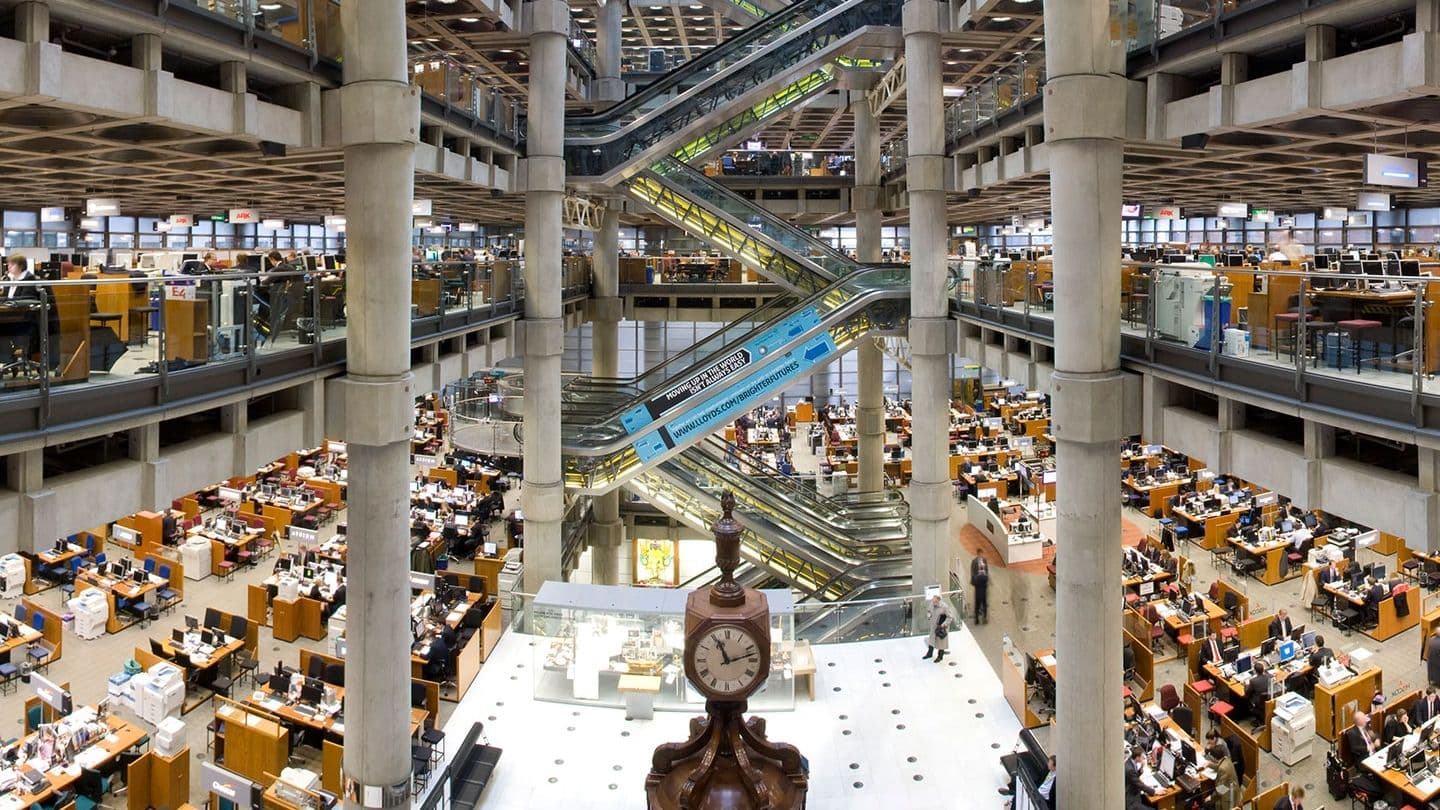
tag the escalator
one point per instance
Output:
(652, 432)
(609, 434)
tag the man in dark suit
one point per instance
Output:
(1293, 800)
(1427, 707)
(1280, 625)
(1360, 741)
(1135, 789)
(980, 582)
(1212, 651)
(1374, 595)
(1257, 692)
(1330, 573)
(1432, 659)
(1321, 655)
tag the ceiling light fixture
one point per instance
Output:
(269, 6)
(1001, 19)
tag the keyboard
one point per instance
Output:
(306, 710)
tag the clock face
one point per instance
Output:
(727, 660)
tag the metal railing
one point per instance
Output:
(1152, 21)
(460, 88)
(1003, 91)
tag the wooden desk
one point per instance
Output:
(157, 781)
(1208, 532)
(286, 713)
(1273, 554)
(250, 742)
(1159, 493)
(125, 736)
(298, 617)
(1334, 705)
(116, 590)
(1391, 623)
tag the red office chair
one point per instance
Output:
(1169, 699)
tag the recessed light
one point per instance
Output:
(966, 50)
(1001, 19)
(469, 19)
(269, 6)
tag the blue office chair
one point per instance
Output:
(34, 716)
(100, 559)
(167, 595)
(150, 565)
(22, 615)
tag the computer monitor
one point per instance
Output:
(279, 682)
(178, 636)
(1287, 525)
(1267, 646)
(1234, 260)
(1244, 663)
(1234, 498)
(1288, 650)
(1409, 267)
(1308, 640)
(1167, 763)
(1378, 572)
(139, 576)
(1298, 633)
(1146, 588)
(1372, 267)
(191, 622)
(1187, 751)
(312, 692)
(1322, 261)
(1351, 267)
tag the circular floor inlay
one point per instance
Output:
(845, 732)
(854, 766)
(900, 726)
(614, 786)
(918, 778)
(837, 689)
(979, 714)
(559, 762)
(553, 780)
(887, 683)
(859, 785)
(624, 734)
(618, 767)
(842, 717)
(894, 711)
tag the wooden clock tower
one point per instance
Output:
(727, 764)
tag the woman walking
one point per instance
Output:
(938, 619)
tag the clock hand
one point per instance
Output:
(721, 646)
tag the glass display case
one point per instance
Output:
(590, 636)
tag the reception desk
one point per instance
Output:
(1012, 547)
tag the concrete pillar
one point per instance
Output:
(543, 497)
(380, 123)
(1429, 469)
(32, 22)
(145, 52)
(39, 508)
(1034, 136)
(865, 199)
(1085, 115)
(930, 325)
(1319, 440)
(1427, 16)
(144, 447)
(1155, 396)
(608, 84)
(235, 420)
(310, 401)
(1319, 43)
(1231, 415)
(1234, 68)
(607, 532)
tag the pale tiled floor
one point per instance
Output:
(886, 726)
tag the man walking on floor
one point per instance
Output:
(980, 582)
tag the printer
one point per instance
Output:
(12, 576)
(195, 557)
(162, 693)
(287, 588)
(1292, 727)
(170, 737)
(91, 609)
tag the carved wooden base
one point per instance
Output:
(727, 764)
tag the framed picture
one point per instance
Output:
(657, 563)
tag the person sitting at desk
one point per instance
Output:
(1322, 654)
(169, 529)
(437, 656)
(1360, 741)
(327, 609)
(1397, 724)
(1375, 593)
(1292, 800)
(1227, 783)
(1212, 651)
(22, 336)
(1257, 692)
(1135, 788)
(1280, 626)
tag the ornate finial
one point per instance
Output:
(727, 554)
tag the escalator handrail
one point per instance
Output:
(703, 63)
(669, 166)
(857, 296)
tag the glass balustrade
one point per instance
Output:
(1369, 326)
(104, 328)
